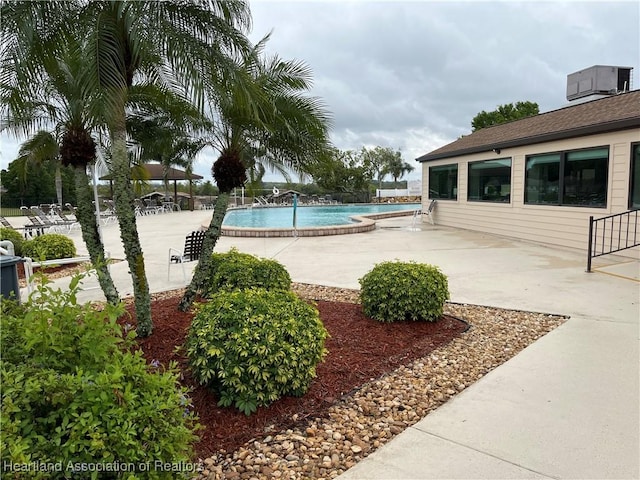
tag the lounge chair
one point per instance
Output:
(54, 225)
(37, 226)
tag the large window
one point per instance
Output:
(490, 181)
(634, 196)
(577, 178)
(443, 182)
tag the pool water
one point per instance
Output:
(307, 216)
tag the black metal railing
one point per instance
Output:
(612, 234)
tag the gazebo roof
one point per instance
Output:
(154, 172)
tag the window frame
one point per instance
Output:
(563, 159)
(635, 146)
(469, 178)
(457, 184)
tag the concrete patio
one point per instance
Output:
(565, 407)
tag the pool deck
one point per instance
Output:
(565, 407)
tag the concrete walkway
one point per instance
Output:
(565, 407)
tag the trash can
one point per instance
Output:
(9, 286)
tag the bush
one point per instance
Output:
(239, 271)
(254, 346)
(14, 237)
(74, 390)
(394, 291)
(49, 246)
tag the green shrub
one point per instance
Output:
(49, 246)
(239, 271)
(394, 291)
(74, 390)
(14, 237)
(254, 346)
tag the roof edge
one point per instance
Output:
(623, 124)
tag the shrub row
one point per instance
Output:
(73, 390)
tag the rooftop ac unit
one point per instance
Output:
(598, 80)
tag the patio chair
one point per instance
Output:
(71, 222)
(53, 225)
(429, 211)
(37, 226)
(108, 213)
(192, 250)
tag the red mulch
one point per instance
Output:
(360, 349)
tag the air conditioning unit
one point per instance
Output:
(598, 80)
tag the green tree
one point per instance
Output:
(341, 171)
(377, 161)
(60, 98)
(175, 43)
(397, 167)
(183, 42)
(503, 114)
(265, 107)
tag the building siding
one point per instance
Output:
(557, 225)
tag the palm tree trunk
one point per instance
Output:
(203, 268)
(123, 197)
(86, 216)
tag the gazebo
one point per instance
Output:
(155, 171)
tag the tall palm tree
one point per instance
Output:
(61, 100)
(265, 110)
(396, 167)
(175, 42)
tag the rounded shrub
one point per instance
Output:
(239, 271)
(395, 291)
(49, 246)
(75, 392)
(14, 237)
(254, 346)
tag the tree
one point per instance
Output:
(265, 109)
(397, 167)
(41, 147)
(340, 171)
(174, 43)
(377, 161)
(60, 98)
(503, 114)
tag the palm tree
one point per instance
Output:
(397, 167)
(60, 99)
(175, 42)
(265, 110)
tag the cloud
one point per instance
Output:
(412, 74)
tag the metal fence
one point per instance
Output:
(612, 233)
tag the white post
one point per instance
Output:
(96, 199)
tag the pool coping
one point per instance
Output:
(364, 223)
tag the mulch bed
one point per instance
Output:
(360, 350)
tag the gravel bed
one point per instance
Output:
(323, 448)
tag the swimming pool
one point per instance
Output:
(307, 216)
(313, 220)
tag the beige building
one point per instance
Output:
(541, 178)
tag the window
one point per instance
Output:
(443, 182)
(634, 197)
(577, 178)
(490, 181)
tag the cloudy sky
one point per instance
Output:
(411, 75)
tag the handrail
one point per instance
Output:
(625, 228)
